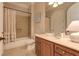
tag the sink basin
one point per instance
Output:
(74, 37)
(49, 34)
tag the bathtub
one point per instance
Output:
(19, 42)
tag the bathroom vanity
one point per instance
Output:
(47, 45)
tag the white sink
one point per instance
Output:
(49, 34)
(75, 37)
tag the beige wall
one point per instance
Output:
(39, 27)
(47, 25)
(21, 26)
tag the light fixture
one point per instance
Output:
(55, 4)
(60, 3)
(50, 3)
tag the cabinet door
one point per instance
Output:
(47, 48)
(37, 46)
(43, 47)
(52, 49)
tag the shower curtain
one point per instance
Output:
(9, 25)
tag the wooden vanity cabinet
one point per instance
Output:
(38, 46)
(43, 47)
(64, 51)
(47, 48)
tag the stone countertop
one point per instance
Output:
(62, 41)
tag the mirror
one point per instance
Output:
(73, 13)
(58, 17)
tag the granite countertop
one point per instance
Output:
(62, 41)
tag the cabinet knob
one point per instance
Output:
(63, 51)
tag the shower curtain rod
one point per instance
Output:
(18, 10)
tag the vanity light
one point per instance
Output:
(55, 4)
(60, 3)
(50, 3)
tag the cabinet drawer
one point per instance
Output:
(57, 54)
(65, 51)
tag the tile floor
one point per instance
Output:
(20, 51)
